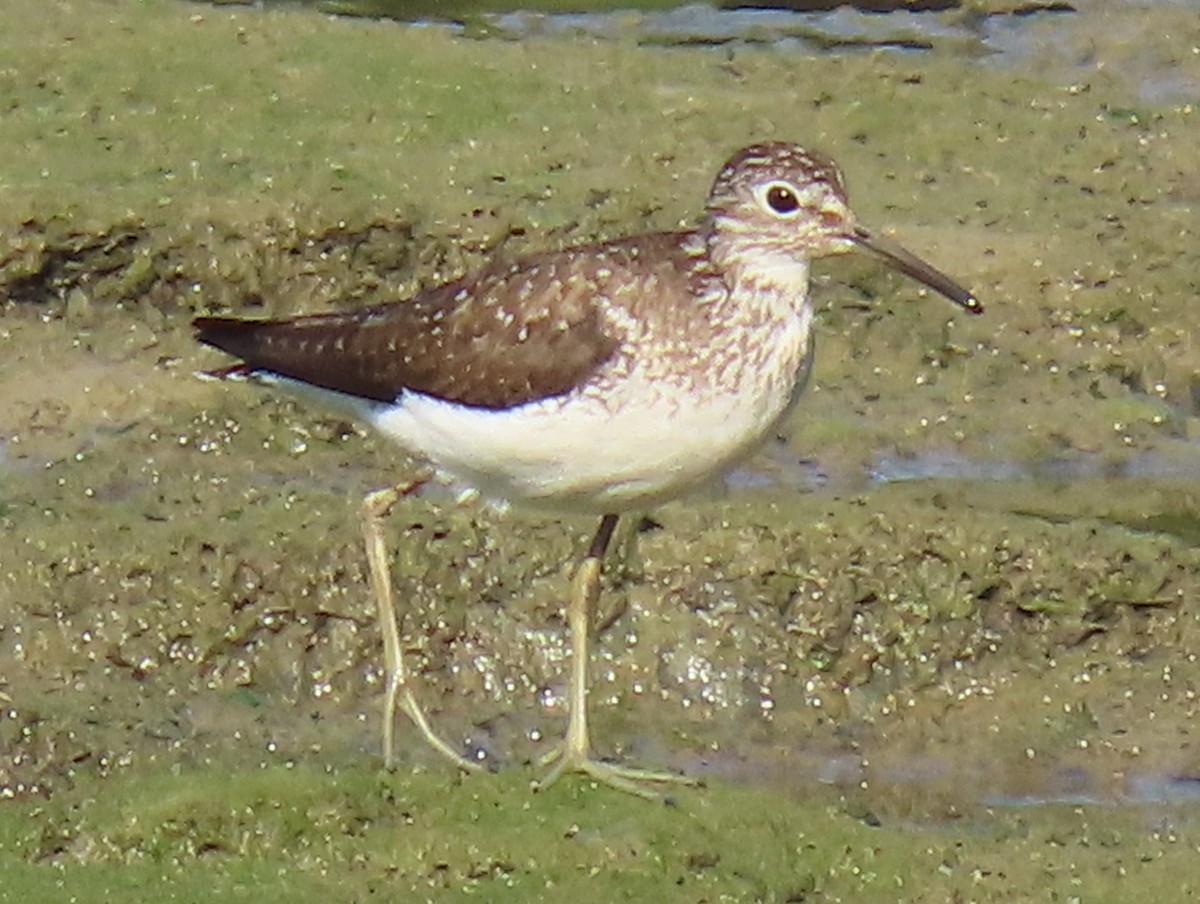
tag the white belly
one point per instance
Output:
(580, 453)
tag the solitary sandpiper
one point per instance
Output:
(605, 378)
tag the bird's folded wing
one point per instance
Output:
(496, 339)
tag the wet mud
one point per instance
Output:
(938, 642)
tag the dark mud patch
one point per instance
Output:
(207, 264)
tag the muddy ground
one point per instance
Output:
(977, 682)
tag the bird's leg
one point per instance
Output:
(576, 754)
(376, 506)
(622, 565)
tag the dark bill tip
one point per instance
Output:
(912, 266)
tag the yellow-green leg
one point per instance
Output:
(576, 754)
(376, 506)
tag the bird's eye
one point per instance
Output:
(782, 199)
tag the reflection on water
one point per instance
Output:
(699, 25)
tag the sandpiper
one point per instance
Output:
(605, 378)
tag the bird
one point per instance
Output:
(607, 378)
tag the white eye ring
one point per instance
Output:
(781, 199)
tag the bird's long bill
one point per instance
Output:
(911, 265)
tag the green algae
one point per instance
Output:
(190, 665)
(299, 832)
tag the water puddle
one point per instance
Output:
(778, 467)
(1056, 39)
(941, 465)
(699, 25)
(1077, 787)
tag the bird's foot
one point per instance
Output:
(629, 779)
(412, 709)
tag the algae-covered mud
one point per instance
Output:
(938, 642)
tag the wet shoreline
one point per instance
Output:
(950, 617)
